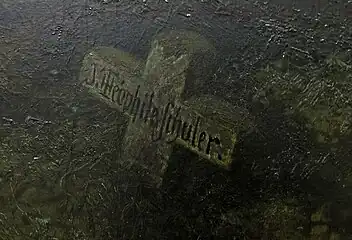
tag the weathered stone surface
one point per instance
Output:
(103, 68)
(179, 58)
(160, 101)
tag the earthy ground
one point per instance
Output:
(59, 174)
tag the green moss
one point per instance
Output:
(320, 95)
(321, 215)
(320, 230)
(279, 219)
(334, 236)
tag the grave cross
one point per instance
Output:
(161, 101)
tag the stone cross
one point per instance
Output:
(160, 97)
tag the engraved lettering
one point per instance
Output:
(202, 137)
(169, 122)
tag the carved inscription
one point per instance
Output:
(170, 122)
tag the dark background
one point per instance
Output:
(66, 171)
